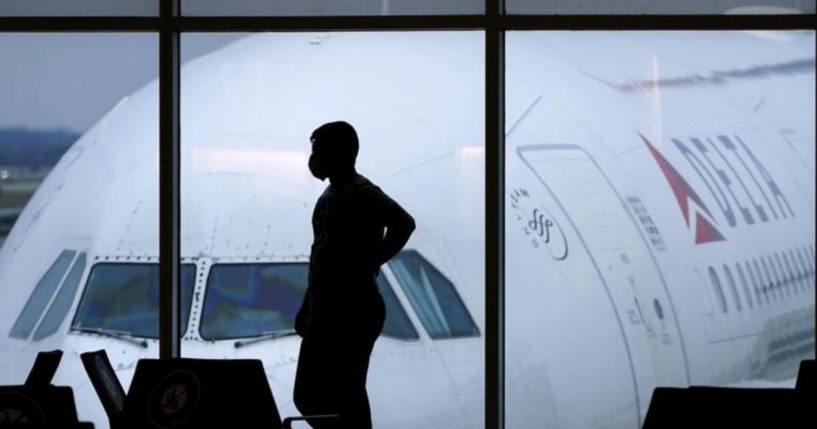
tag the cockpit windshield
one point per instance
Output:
(124, 298)
(254, 300)
(246, 300)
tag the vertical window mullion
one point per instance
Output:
(169, 183)
(494, 216)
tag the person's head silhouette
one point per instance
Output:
(334, 150)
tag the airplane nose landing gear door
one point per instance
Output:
(622, 260)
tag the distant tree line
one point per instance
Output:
(34, 148)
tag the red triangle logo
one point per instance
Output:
(704, 230)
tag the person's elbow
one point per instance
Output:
(403, 229)
(411, 225)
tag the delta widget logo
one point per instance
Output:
(742, 189)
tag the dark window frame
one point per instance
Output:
(494, 23)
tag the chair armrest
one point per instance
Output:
(288, 421)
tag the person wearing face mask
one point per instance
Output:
(357, 228)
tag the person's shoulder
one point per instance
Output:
(366, 188)
(364, 184)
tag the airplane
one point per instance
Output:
(659, 219)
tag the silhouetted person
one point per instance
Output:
(343, 312)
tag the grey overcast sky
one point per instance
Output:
(70, 80)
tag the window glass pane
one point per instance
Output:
(62, 301)
(251, 300)
(416, 100)
(331, 7)
(397, 323)
(642, 174)
(41, 295)
(79, 127)
(124, 298)
(79, 8)
(433, 297)
(651, 7)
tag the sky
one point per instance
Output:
(70, 80)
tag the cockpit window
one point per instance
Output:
(433, 297)
(250, 300)
(397, 323)
(124, 298)
(62, 301)
(41, 295)
(246, 300)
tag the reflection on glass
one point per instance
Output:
(635, 162)
(650, 7)
(124, 298)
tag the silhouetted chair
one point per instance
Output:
(717, 407)
(204, 393)
(106, 384)
(806, 377)
(188, 393)
(44, 368)
(38, 403)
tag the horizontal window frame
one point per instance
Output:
(409, 23)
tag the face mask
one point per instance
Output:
(317, 168)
